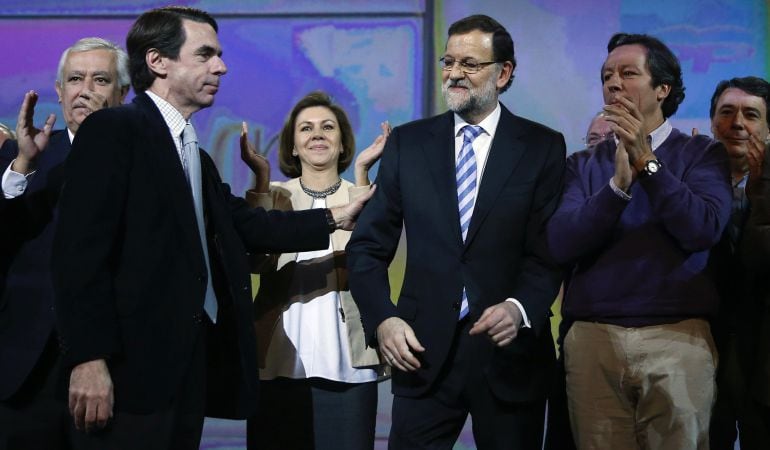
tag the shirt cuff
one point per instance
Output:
(619, 192)
(524, 319)
(14, 183)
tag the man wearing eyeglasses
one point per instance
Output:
(598, 130)
(473, 188)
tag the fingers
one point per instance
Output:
(49, 122)
(397, 341)
(90, 395)
(27, 111)
(93, 100)
(244, 129)
(499, 322)
(694, 131)
(386, 128)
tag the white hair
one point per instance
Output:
(95, 43)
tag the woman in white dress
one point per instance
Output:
(318, 377)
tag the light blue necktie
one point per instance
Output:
(465, 173)
(191, 163)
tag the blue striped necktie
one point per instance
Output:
(191, 163)
(465, 173)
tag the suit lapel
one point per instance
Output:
(162, 151)
(504, 155)
(440, 159)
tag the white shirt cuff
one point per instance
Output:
(619, 192)
(14, 183)
(524, 319)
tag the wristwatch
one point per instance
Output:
(651, 167)
(330, 222)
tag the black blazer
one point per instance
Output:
(26, 237)
(753, 316)
(504, 254)
(129, 270)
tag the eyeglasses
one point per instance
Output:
(594, 138)
(467, 66)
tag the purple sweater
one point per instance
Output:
(642, 262)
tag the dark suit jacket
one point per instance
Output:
(504, 254)
(129, 270)
(754, 324)
(26, 237)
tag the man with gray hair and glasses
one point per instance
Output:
(92, 74)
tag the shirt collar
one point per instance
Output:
(657, 136)
(488, 125)
(71, 135)
(173, 118)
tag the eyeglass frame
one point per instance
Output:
(463, 65)
(602, 138)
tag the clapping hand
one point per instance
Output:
(256, 162)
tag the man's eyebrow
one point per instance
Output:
(208, 50)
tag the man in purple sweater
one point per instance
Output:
(637, 218)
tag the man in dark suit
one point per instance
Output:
(739, 120)
(149, 260)
(473, 188)
(92, 74)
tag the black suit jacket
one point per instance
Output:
(753, 319)
(26, 237)
(129, 270)
(503, 256)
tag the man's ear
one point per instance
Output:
(663, 91)
(505, 74)
(155, 62)
(58, 90)
(123, 93)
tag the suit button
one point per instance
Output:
(200, 279)
(245, 287)
(456, 306)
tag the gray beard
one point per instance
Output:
(475, 103)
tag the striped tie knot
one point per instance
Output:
(471, 132)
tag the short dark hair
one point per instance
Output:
(662, 64)
(751, 85)
(290, 164)
(161, 29)
(502, 44)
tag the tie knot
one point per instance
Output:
(188, 135)
(471, 132)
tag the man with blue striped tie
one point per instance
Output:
(473, 188)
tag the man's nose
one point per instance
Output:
(219, 66)
(613, 83)
(455, 73)
(738, 121)
(88, 85)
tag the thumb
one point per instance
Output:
(412, 340)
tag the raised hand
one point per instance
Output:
(366, 159)
(32, 141)
(624, 171)
(755, 157)
(256, 162)
(627, 123)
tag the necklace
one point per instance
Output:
(321, 194)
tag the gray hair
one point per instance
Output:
(95, 43)
(7, 130)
